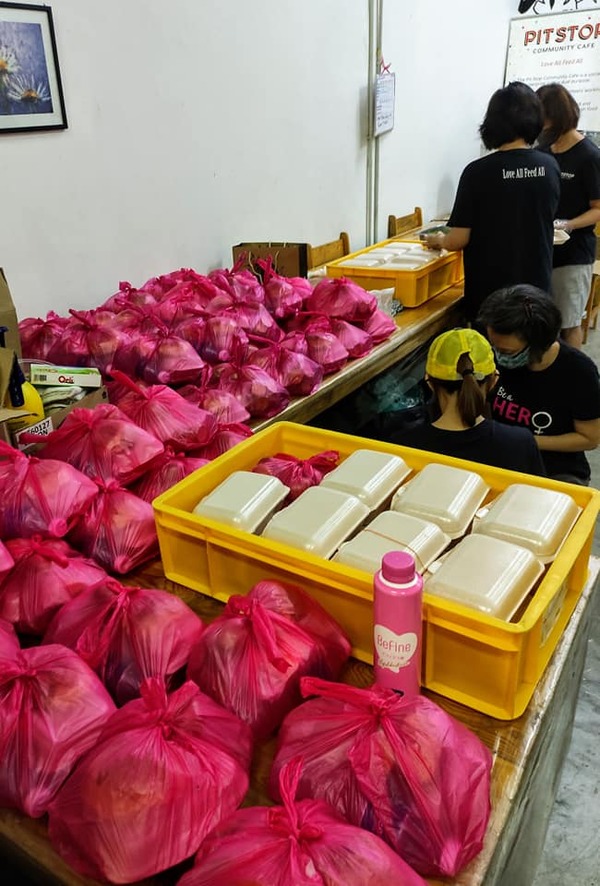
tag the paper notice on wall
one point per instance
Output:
(562, 48)
(385, 99)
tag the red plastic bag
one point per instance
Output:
(223, 405)
(405, 770)
(357, 342)
(167, 470)
(242, 285)
(9, 642)
(298, 473)
(250, 658)
(127, 634)
(38, 336)
(283, 295)
(117, 530)
(167, 359)
(223, 338)
(91, 338)
(101, 442)
(379, 326)
(128, 296)
(255, 389)
(341, 297)
(302, 843)
(52, 710)
(47, 573)
(40, 497)
(166, 415)
(166, 771)
(298, 374)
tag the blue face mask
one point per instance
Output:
(513, 361)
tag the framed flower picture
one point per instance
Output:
(31, 96)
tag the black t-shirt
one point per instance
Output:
(489, 443)
(579, 183)
(508, 199)
(550, 402)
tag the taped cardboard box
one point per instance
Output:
(289, 259)
(8, 317)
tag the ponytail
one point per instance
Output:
(471, 396)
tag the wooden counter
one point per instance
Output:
(415, 327)
(528, 756)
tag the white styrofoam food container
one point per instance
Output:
(319, 520)
(486, 574)
(444, 495)
(244, 500)
(369, 475)
(392, 531)
(535, 518)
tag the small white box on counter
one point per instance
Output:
(45, 374)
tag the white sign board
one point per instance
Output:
(562, 48)
(385, 98)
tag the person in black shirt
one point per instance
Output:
(578, 209)
(505, 203)
(545, 385)
(461, 372)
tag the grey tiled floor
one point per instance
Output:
(571, 854)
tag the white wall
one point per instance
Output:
(196, 124)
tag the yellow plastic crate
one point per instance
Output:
(480, 661)
(412, 287)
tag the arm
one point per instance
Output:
(586, 436)
(456, 238)
(587, 218)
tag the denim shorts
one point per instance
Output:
(570, 291)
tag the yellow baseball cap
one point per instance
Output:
(447, 349)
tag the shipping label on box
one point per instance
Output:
(84, 376)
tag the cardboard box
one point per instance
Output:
(55, 419)
(289, 259)
(8, 316)
(52, 376)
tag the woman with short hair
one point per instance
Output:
(578, 208)
(545, 385)
(461, 372)
(506, 202)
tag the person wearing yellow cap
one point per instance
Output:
(461, 372)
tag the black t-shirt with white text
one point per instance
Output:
(579, 183)
(508, 199)
(549, 402)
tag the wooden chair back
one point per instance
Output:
(320, 255)
(399, 224)
(590, 318)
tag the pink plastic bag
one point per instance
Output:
(357, 342)
(101, 442)
(9, 643)
(405, 770)
(223, 405)
(298, 473)
(169, 360)
(227, 436)
(117, 530)
(166, 771)
(166, 414)
(260, 394)
(126, 634)
(341, 297)
(40, 497)
(283, 295)
(128, 296)
(47, 573)
(298, 374)
(250, 658)
(302, 843)
(223, 338)
(91, 338)
(38, 336)
(53, 708)
(380, 326)
(6, 561)
(167, 470)
(242, 285)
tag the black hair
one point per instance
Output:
(513, 112)
(525, 311)
(472, 394)
(561, 111)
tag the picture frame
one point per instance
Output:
(31, 94)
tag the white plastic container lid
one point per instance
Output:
(319, 520)
(486, 574)
(369, 475)
(443, 494)
(244, 500)
(360, 262)
(538, 519)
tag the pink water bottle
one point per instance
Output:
(398, 602)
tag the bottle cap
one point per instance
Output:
(398, 567)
